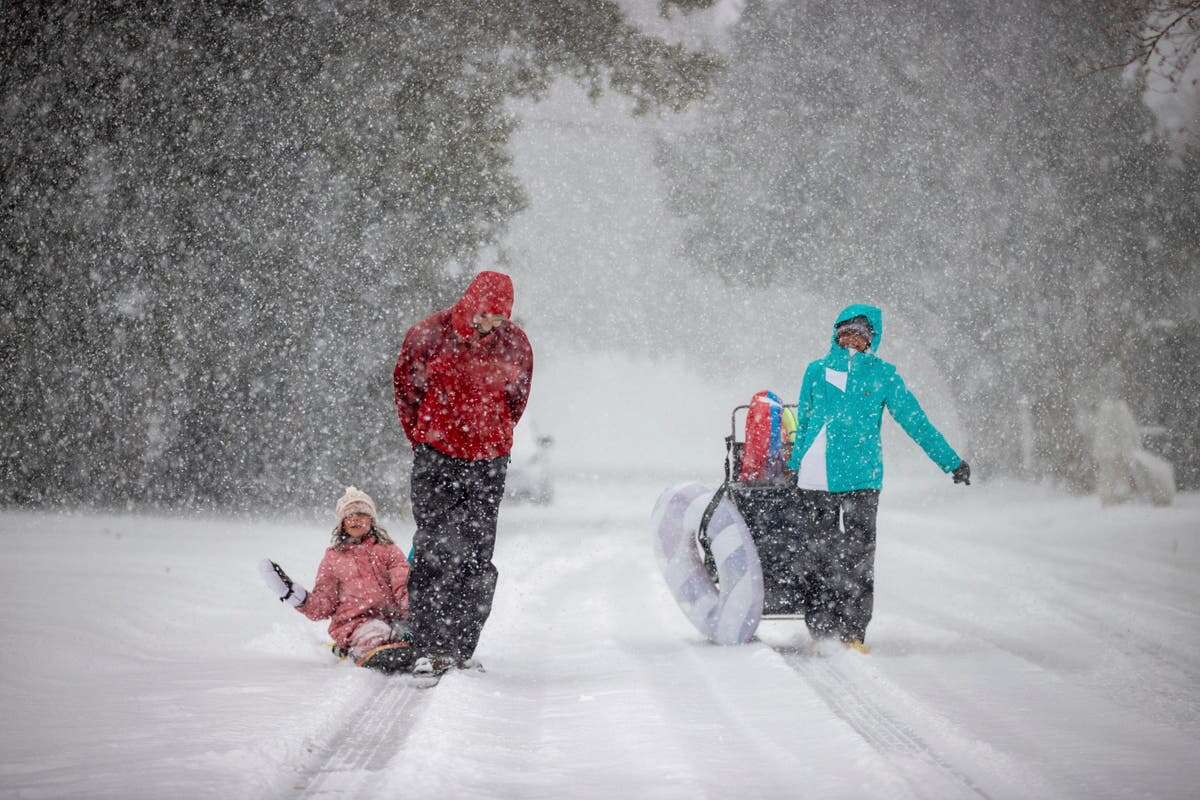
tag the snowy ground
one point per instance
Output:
(1026, 645)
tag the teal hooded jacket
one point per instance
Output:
(840, 411)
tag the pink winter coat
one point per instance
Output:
(358, 581)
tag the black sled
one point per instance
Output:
(768, 506)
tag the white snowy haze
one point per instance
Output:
(218, 220)
(989, 197)
(636, 345)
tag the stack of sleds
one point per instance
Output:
(735, 555)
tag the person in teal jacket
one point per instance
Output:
(838, 460)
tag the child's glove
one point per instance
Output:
(401, 632)
(278, 582)
(962, 473)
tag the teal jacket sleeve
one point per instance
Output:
(804, 413)
(905, 409)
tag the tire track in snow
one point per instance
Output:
(636, 704)
(1180, 709)
(1057, 595)
(1126, 639)
(889, 736)
(371, 735)
(1057, 601)
(681, 734)
(364, 743)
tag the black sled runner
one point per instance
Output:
(398, 659)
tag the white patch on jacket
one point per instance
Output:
(813, 473)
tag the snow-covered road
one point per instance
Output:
(1026, 644)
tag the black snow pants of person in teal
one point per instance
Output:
(836, 560)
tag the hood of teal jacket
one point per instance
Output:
(839, 356)
(873, 314)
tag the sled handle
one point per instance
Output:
(733, 422)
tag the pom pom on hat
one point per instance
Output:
(355, 501)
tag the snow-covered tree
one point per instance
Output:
(218, 219)
(945, 162)
(1159, 41)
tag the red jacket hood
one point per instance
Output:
(489, 293)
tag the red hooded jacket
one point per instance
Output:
(460, 392)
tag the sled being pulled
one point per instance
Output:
(733, 556)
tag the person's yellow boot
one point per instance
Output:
(859, 645)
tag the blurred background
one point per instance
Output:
(220, 218)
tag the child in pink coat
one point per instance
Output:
(362, 583)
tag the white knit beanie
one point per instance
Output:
(355, 501)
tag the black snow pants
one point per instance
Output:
(452, 582)
(837, 561)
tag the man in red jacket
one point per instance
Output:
(461, 382)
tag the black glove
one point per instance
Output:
(962, 473)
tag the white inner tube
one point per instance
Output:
(730, 614)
